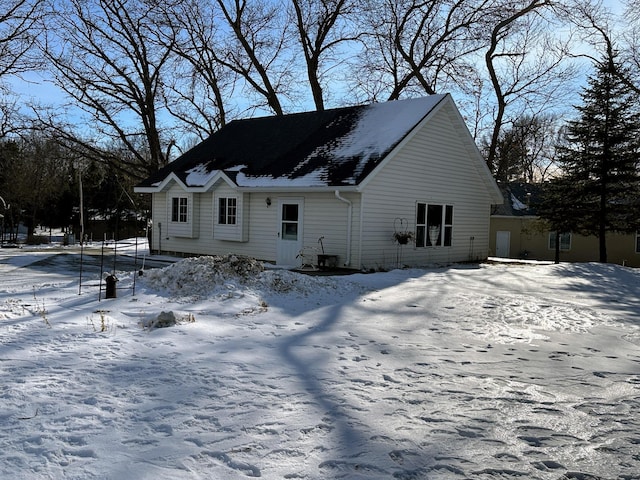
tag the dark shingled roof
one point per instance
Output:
(320, 145)
(520, 199)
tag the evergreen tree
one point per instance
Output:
(557, 196)
(599, 192)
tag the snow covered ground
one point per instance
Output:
(492, 371)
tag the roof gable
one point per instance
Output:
(337, 147)
(520, 199)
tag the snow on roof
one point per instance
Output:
(336, 147)
(517, 204)
(381, 125)
(313, 179)
(199, 176)
(377, 130)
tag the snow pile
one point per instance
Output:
(201, 276)
(167, 319)
(284, 281)
(205, 276)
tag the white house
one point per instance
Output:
(339, 182)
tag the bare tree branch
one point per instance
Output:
(321, 29)
(522, 64)
(18, 32)
(259, 40)
(108, 57)
(425, 44)
(203, 86)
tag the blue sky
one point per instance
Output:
(36, 88)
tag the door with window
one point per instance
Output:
(503, 242)
(289, 231)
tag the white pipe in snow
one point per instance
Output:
(347, 261)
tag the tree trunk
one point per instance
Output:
(602, 242)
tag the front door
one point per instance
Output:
(503, 241)
(289, 231)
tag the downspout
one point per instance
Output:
(347, 261)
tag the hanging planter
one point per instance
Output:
(401, 235)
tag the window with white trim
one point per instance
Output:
(565, 241)
(434, 225)
(179, 209)
(227, 210)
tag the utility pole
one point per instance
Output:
(6, 207)
(81, 207)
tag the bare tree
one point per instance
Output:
(608, 36)
(108, 57)
(10, 121)
(526, 66)
(630, 53)
(423, 45)
(132, 66)
(526, 150)
(201, 93)
(323, 25)
(634, 66)
(18, 31)
(256, 49)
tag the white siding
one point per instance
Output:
(257, 238)
(238, 232)
(433, 167)
(159, 217)
(182, 229)
(324, 216)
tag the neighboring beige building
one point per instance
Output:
(339, 182)
(516, 232)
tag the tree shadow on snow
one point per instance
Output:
(368, 446)
(617, 287)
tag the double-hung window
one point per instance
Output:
(179, 209)
(565, 241)
(434, 225)
(227, 210)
